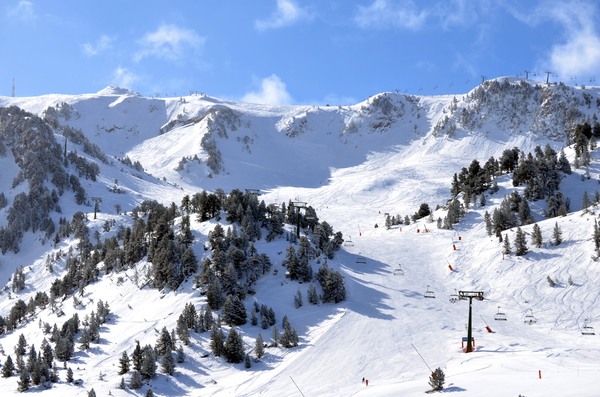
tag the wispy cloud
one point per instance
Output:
(384, 14)
(287, 13)
(169, 42)
(123, 77)
(23, 11)
(102, 44)
(272, 92)
(579, 51)
(411, 15)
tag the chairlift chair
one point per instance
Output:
(500, 316)
(361, 260)
(349, 243)
(529, 319)
(399, 271)
(587, 330)
(454, 297)
(429, 294)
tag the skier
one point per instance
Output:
(367, 382)
(363, 380)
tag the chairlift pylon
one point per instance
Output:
(530, 319)
(500, 316)
(428, 293)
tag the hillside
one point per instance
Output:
(352, 165)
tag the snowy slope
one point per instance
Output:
(352, 164)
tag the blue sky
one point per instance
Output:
(292, 51)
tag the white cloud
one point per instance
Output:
(383, 14)
(169, 42)
(102, 44)
(579, 51)
(124, 78)
(23, 11)
(287, 13)
(273, 92)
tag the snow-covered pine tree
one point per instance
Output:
(123, 364)
(488, 223)
(437, 379)
(217, 340)
(536, 236)
(167, 363)
(259, 346)
(506, 249)
(8, 369)
(520, 243)
(234, 347)
(234, 311)
(298, 299)
(136, 381)
(557, 235)
(313, 295)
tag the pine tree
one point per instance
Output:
(24, 382)
(149, 393)
(520, 243)
(69, 378)
(313, 296)
(137, 357)
(164, 344)
(437, 379)
(253, 317)
(298, 299)
(167, 363)
(585, 202)
(275, 336)
(217, 340)
(234, 311)
(247, 362)
(8, 369)
(506, 248)
(488, 223)
(136, 381)
(148, 369)
(557, 234)
(92, 393)
(21, 346)
(180, 355)
(123, 364)
(122, 384)
(536, 236)
(234, 347)
(259, 346)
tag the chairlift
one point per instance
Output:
(399, 271)
(349, 242)
(361, 260)
(587, 330)
(500, 316)
(454, 297)
(529, 319)
(428, 294)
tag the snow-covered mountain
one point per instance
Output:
(353, 165)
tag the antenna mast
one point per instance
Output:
(13, 87)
